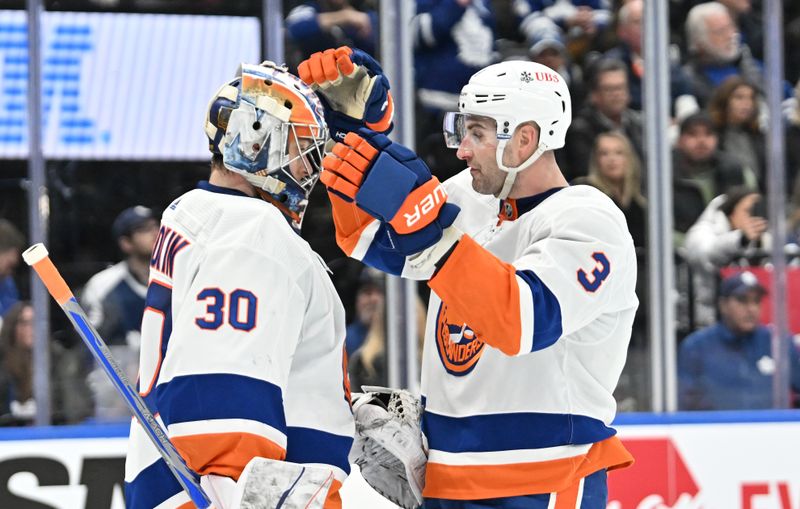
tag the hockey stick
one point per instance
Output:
(37, 257)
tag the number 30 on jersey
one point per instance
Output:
(591, 282)
(237, 308)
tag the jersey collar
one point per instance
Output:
(208, 186)
(512, 208)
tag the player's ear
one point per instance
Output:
(527, 139)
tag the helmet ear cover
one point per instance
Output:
(265, 123)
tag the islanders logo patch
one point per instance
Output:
(458, 346)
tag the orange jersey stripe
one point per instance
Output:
(475, 482)
(225, 453)
(474, 283)
(568, 499)
(187, 505)
(349, 221)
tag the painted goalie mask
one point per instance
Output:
(269, 127)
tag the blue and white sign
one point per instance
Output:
(120, 86)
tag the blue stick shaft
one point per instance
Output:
(37, 257)
(182, 473)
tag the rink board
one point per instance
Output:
(701, 460)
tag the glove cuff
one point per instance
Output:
(426, 259)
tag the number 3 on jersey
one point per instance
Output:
(591, 282)
(238, 308)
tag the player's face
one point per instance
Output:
(478, 148)
(300, 167)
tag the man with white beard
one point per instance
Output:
(716, 51)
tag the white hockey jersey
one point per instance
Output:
(242, 349)
(527, 332)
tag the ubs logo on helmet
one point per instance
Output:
(527, 77)
(458, 346)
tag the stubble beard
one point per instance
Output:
(486, 184)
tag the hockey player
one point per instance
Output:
(533, 295)
(242, 352)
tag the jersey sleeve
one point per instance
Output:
(585, 267)
(225, 365)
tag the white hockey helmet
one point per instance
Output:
(513, 93)
(254, 120)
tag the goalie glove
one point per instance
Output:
(353, 89)
(389, 446)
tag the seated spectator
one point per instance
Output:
(114, 302)
(749, 23)
(369, 304)
(615, 169)
(792, 122)
(367, 364)
(730, 365)
(700, 171)
(11, 245)
(453, 39)
(791, 40)
(715, 52)
(574, 23)
(70, 401)
(552, 54)
(630, 52)
(734, 109)
(732, 225)
(317, 26)
(607, 110)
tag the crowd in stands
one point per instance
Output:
(718, 119)
(717, 108)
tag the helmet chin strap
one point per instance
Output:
(511, 171)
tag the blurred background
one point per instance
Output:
(686, 114)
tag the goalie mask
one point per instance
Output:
(270, 128)
(513, 93)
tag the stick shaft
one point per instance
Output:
(58, 288)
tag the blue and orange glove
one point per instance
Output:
(353, 89)
(393, 185)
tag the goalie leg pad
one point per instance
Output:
(269, 484)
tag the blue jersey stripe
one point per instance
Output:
(152, 486)
(546, 312)
(221, 396)
(307, 445)
(511, 431)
